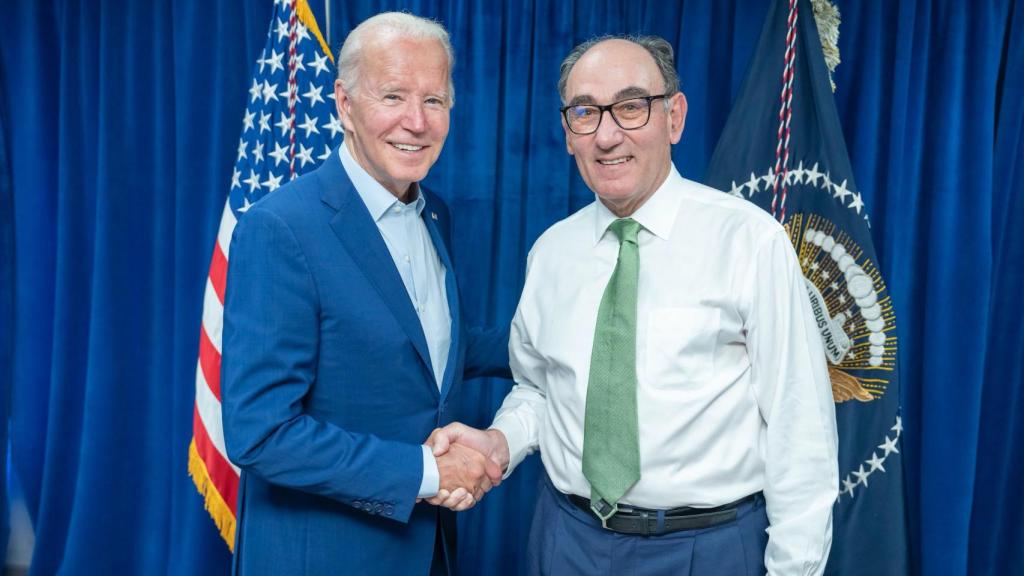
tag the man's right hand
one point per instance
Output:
(465, 476)
(491, 443)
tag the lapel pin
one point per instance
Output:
(433, 215)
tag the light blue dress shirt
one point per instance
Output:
(406, 236)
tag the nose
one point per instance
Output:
(608, 133)
(415, 119)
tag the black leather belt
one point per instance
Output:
(643, 521)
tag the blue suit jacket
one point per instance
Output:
(327, 385)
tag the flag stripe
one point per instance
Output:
(227, 228)
(219, 271)
(209, 364)
(208, 409)
(223, 474)
(213, 316)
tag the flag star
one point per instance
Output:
(264, 122)
(825, 275)
(273, 182)
(857, 202)
(848, 486)
(862, 476)
(241, 148)
(280, 154)
(235, 179)
(313, 95)
(898, 426)
(284, 124)
(815, 266)
(299, 65)
(320, 64)
(769, 179)
(876, 462)
(282, 30)
(791, 178)
(889, 446)
(330, 95)
(275, 61)
(842, 299)
(813, 175)
(245, 205)
(247, 121)
(736, 190)
(800, 172)
(268, 92)
(254, 91)
(326, 154)
(334, 126)
(253, 181)
(833, 286)
(257, 153)
(304, 154)
(840, 192)
(262, 61)
(309, 125)
(754, 184)
(303, 32)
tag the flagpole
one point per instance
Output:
(327, 17)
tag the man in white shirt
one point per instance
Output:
(666, 362)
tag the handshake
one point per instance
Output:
(470, 462)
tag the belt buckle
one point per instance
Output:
(604, 512)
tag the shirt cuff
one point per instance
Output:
(431, 482)
(516, 437)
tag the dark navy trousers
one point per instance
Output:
(565, 541)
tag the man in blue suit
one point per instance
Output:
(343, 341)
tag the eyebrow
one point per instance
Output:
(629, 92)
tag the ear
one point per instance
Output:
(568, 137)
(677, 116)
(343, 104)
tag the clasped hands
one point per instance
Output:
(470, 462)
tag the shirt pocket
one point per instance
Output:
(681, 346)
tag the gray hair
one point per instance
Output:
(387, 26)
(657, 47)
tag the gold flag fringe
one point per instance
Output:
(214, 502)
(827, 19)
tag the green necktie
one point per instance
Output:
(611, 454)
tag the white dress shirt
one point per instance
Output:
(406, 236)
(733, 395)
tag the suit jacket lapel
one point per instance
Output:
(358, 233)
(452, 293)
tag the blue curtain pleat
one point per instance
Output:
(121, 122)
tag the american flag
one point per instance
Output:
(289, 127)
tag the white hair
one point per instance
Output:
(390, 26)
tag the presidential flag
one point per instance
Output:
(783, 149)
(289, 126)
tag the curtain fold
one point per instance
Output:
(121, 122)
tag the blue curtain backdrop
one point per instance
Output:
(121, 121)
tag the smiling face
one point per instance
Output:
(396, 119)
(623, 167)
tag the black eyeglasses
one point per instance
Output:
(629, 114)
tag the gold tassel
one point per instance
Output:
(827, 19)
(307, 18)
(214, 502)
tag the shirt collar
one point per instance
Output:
(657, 215)
(377, 198)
